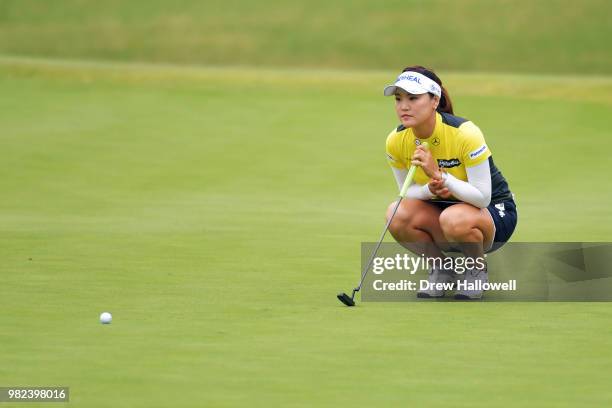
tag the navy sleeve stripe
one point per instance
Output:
(499, 187)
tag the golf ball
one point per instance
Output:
(106, 318)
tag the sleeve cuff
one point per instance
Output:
(426, 192)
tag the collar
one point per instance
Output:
(436, 130)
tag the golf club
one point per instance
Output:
(350, 300)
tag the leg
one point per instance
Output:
(416, 226)
(472, 228)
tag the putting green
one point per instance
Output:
(217, 212)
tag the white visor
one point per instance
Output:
(414, 83)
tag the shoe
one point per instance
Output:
(469, 286)
(438, 276)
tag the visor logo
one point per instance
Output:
(409, 78)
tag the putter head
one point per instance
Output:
(346, 299)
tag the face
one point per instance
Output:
(413, 110)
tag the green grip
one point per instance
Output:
(410, 176)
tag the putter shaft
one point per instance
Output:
(402, 195)
(382, 237)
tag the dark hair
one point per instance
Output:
(445, 104)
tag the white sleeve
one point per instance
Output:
(477, 190)
(415, 190)
(400, 176)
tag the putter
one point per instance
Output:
(350, 300)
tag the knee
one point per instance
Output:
(390, 209)
(400, 213)
(455, 225)
(402, 219)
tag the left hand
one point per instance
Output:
(423, 158)
(436, 186)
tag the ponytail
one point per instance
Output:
(445, 105)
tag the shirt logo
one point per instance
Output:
(478, 151)
(417, 142)
(448, 163)
(436, 141)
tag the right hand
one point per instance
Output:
(423, 158)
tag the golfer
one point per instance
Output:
(458, 200)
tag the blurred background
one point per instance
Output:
(552, 36)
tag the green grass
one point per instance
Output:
(553, 36)
(217, 212)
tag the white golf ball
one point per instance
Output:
(106, 318)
